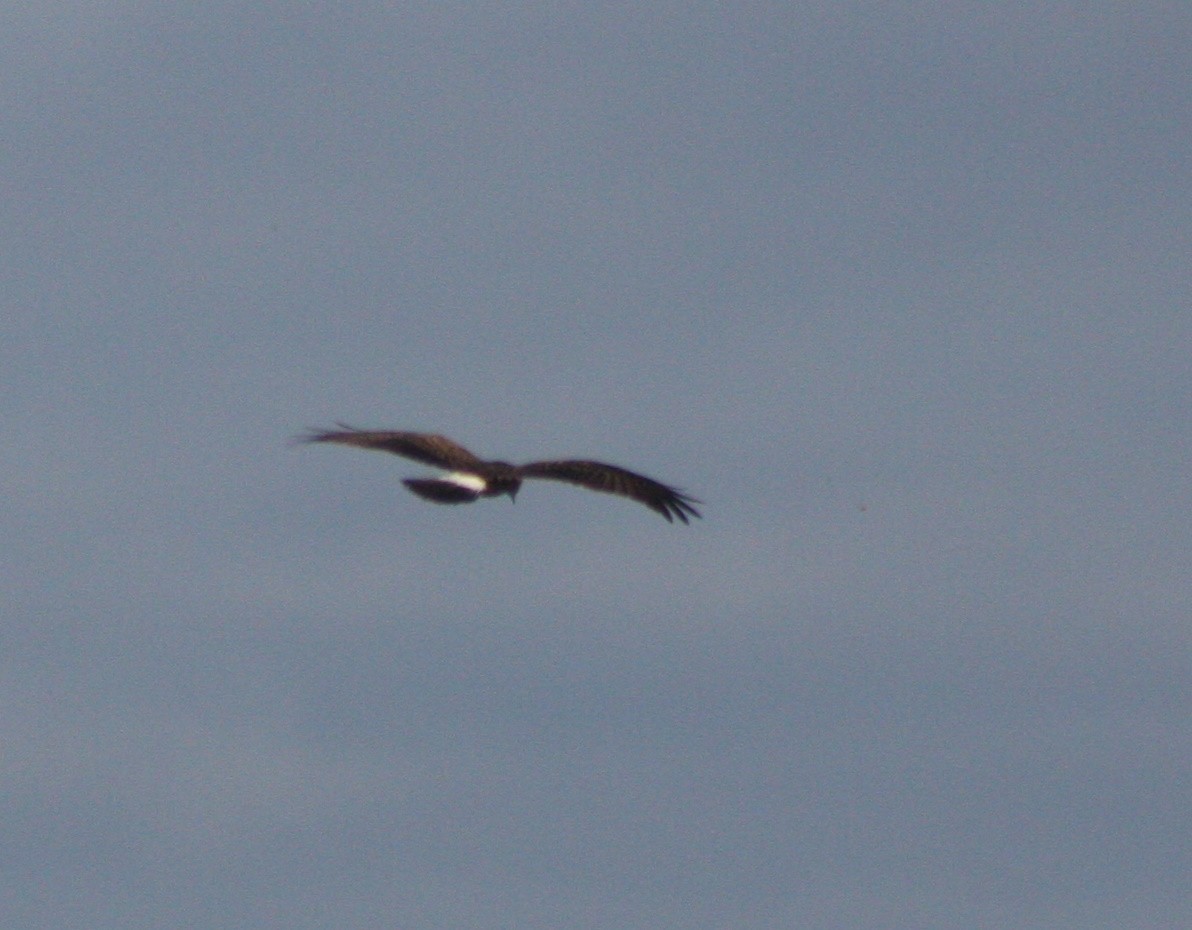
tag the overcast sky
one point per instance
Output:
(901, 292)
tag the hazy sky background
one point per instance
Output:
(901, 292)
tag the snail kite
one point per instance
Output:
(469, 477)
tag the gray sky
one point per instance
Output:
(901, 293)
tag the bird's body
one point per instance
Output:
(470, 477)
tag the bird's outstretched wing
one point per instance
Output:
(598, 476)
(427, 448)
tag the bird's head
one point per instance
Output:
(503, 480)
(503, 483)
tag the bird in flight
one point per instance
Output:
(469, 478)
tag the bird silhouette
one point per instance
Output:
(469, 477)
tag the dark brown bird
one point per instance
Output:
(470, 477)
